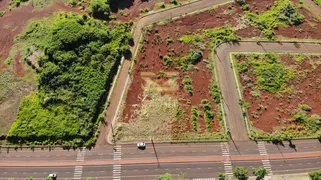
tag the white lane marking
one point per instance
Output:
(227, 164)
(266, 163)
(80, 158)
(117, 167)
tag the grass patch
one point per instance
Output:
(282, 13)
(318, 2)
(213, 37)
(271, 74)
(209, 114)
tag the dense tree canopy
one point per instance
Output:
(74, 73)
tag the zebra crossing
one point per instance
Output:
(117, 167)
(227, 164)
(266, 163)
(80, 158)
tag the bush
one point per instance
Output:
(305, 107)
(216, 93)
(188, 85)
(222, 176)
(241, 2)
(260, 173)
(99, 8)
(194, 118)
(240, 173)
(221, 35)
(300, 117)
(315, 175)
(192, 39)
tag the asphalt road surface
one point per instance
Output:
(151, 171)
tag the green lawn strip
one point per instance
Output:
(272, 76)
(74, 75)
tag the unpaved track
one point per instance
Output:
(233, 111)
(228, 83)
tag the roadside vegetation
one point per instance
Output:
(277, 78)
(315, 175)
(318, 2)
(74, 75)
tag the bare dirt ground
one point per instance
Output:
(11, 24)
(150, 60)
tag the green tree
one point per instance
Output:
(260, 172)
(315, 175)
(240, 173)
(30, 178)
(99, 8)
(222, 176)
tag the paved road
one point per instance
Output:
(151, 171)
(162, 150)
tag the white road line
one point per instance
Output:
(80, 158)
(227, 164)
(266, 163)
(117, 167)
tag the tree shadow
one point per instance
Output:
(115, 5)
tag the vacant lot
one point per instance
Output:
(282, 92)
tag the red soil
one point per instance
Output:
(288, 102)
(134, 8)
(155, 47)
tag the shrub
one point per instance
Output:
(168, 61)
(99, 8)
(315, 175)
(300, 117)
(188, 85)
(305, 107)
(260, 173)
(209, 115)
(240, 173)
(194, 118)
(222, 176)
(221, 35)
(192, 39)
(241, 2)
(215, 93)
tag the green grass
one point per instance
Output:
(213, 37)
(282, 13)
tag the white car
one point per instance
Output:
(52, 176)
(141, 145)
